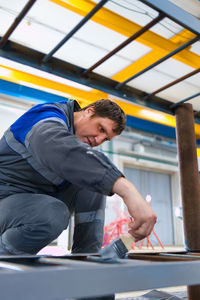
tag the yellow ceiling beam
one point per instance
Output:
(151, 57)
(23, 78)
(126, 27)
(182, 37)
(139, 65)
(146, 113)
(151, 115)
(197, 130)
(86, 97)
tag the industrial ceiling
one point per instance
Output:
(145, 52)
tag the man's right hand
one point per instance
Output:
(143, 216)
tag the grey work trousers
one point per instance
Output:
(29, 222)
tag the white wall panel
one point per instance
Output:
(8, 115)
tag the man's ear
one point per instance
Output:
(90, 111)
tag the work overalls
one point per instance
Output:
(46, 173)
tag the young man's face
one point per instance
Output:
(94, 130)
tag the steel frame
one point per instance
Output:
(175, 105)
(72, 72)
(197, 38)
(16, 22)
(52, 65)
(126, 42)
(64, 277)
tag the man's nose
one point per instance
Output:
(100, 139)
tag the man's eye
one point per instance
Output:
(102, 129)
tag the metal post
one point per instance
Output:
(189, 176)
(190, 185)
(193, 292)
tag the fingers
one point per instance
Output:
(140, 234)
(142, 228)
(134, 225)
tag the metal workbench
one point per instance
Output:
(59, 278)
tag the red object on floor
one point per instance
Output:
(120, 227)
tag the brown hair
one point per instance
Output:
(106, 108)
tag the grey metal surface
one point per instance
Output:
(84, 279)
(175, 13)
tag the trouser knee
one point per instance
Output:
(55, 219)
(38, 220)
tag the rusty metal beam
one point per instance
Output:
(121, 25)
(193, 292)
(179, 49)
(174, 82)
(126, 42)
(190, 185)
(16, 22)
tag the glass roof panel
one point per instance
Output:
(134, 51)
(6, 19)
(150, 81)
(174, 68)
(167, 28)
(132, 10)
(112, 66)
(196, 47)
(181, 91)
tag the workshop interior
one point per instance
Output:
(145, 56)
